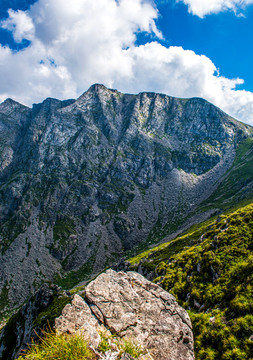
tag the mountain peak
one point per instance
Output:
(10, 104)
(96, 89)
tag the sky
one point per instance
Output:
(183, 48)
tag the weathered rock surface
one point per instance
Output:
(131, 307)
(83, 181)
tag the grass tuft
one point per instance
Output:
(55, 346)
(131, 348)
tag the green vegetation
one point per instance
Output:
(55, 346)
(104, 343)
(151, 258)
(47, 317)
(59, 347)
(72, 278)
(132, 348)
(238, 176)
(124, 345)
(63, 228)
(210, 272)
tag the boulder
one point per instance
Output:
(129, 307)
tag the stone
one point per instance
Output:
(78, 317)
(131, 308)
(126, 356)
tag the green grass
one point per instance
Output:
(104, 343)
(214, 280)
(152, 257)
(239, 175)
(130, 347)
(59, 347)
(123, 345)
(209, 270)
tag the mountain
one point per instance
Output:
(82, 182)
(209, 269)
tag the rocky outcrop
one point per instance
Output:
(128, 306)
(83, 181)
(37, 314)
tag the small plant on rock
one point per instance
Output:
(104, 343)
(130, 347)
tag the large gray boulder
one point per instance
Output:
(131, 307)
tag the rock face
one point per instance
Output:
(83, 181)
(28, 322)
(131, 307)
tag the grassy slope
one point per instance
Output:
(235, 186)
(210, 271)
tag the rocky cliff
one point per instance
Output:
(113, 309)
(82, 182)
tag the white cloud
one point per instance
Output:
(74, 45)
(205, 7)
(20, 24)
(182, 73)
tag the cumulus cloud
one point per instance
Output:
(205, 7)
(74, 45)
(20, 24)
(183, 73)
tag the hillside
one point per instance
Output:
(83, 182)
(210, 271)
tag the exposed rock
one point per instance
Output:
(28, 322)
(78, 316)
(131, 307)
(126, 356)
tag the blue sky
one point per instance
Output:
(183, 48)
(223, 37)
